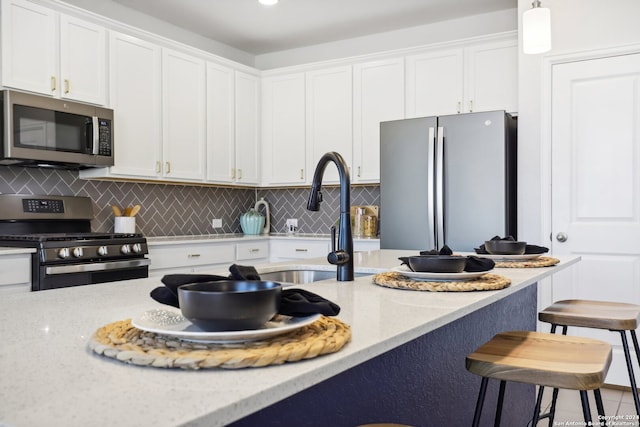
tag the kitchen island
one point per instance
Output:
(406, 355)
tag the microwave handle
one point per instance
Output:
(95, 140)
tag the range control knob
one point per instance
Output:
(125, 249)
(78, 252)
(63, 253)
(136, 248)
(103, 251)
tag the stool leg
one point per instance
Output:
(637, 350)
(586, 411)
(602, 421)
(496, 423)
(536, 410)
(632, 380)
(480, 402)
(552, 410)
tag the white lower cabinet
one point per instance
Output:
(15, 273)
(202, 255)
(298, 248)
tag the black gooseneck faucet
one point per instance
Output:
(342, 256)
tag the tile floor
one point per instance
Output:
(618, 408)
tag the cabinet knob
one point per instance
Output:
(562, 237)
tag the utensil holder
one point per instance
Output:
(124, 224)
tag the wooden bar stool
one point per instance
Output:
(542, 359)
(614, 316)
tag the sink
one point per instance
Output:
(300, 277)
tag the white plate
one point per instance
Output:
(509, 257)
(172, 323)
(436, 277)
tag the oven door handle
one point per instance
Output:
(97, 266)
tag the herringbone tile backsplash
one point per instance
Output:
(177, 210)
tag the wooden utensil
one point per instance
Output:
(116, 210)
(134, 210)
(127, 211)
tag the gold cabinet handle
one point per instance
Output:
(66, 86)
(301, 174)
(53, 83)
(358, 171)
(233, 173)
(158, 167)
(167, 167)
(193, 255)
(302, 250)
(239, 173)
(459, 106)
(471, 106)
(254, 250)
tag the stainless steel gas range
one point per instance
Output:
(67, 252)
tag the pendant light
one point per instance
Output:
(536, 29)
(268, 2)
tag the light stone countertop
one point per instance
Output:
(14, 251)
(49, 377)
(239, 237)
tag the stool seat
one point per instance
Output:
(616, 316)
(544, 359)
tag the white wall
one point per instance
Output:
(579, 28)
(471, 26)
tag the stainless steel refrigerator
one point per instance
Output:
(447, 180)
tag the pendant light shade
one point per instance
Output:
(536, 29)
(268, 2)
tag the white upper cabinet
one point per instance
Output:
(492, 76)
(378, 95)
(435, 83)
(247, 129)
(136, 99)
(183, 116)
(220, 123)
(283, 129)
(329, 118)
(482, 77)
(51, 53)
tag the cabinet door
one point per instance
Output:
(329, 118)
(82, 60)
(136, 99)
(220, 123)
(492, 77)
(378, 95)
(183, 116)
(29, 47)
(435, 83)
(283, 129)
(247, 128)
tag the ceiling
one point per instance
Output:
(257, 29)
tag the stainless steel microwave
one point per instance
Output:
(42, 131)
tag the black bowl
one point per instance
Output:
(229, 305)
(437, 263)
(505, 247)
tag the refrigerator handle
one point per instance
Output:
(439, 187)
(431, 213)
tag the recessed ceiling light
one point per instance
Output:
(268, 2)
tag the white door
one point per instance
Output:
(596, 185)
(247, 128)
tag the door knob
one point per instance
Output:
(562, 237)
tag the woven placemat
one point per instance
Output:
(543, 261)
(123, 342)
(486, 282)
